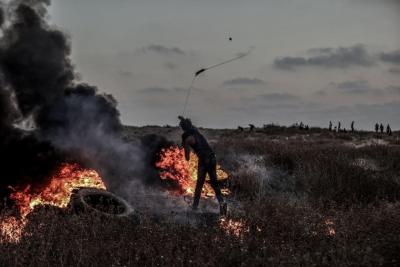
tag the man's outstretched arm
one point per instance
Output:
(186, 146)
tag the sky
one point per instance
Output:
(311, 60)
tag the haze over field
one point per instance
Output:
(313, 61)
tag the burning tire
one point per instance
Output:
(102, 202)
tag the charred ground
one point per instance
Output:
(308, 198)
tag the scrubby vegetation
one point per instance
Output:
(305, 199)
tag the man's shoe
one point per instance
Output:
(223, 209)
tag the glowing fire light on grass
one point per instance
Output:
(234, 227)
(57, 193)
(173, 166)
(330, 227)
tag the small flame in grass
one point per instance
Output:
(173, 166)
(57, 193)
(330, 227)
(234, 227)
(11, 229)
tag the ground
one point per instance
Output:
(306, 198)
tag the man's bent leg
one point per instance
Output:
(201, 177)
(212, 172)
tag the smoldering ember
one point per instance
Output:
(81, 186)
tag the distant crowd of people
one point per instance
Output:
(379, 127)
(338, 128)
(302, 126)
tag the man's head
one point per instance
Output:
(185, 124)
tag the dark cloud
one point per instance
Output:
(391, 57)
(341, 57)
(394, 70)
(163, 50)
(289, 63)
(243, 81)
(320, 50)
(362, 87)
(357, 87)
(354, 87)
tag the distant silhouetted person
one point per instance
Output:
(240, 128)
(388, 130)
(251, 127)
(376, 127)
(382, 128)
(352, 126)
(330, 126)
(338, 126)
(335, 129)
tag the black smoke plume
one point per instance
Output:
(152, 146)
(37, 84)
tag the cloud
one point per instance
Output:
(163, 50)
(357, 87)
(394, 70)
(243, 81)
(278, 97)
(362, 87)
(391, 57)
(270, 99)
(125, 74)
(320, 50)
(354, 87)
(341, 57)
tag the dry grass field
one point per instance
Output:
(307, 198)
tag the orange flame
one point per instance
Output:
(57, 193)
(174, 166)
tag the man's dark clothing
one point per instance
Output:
(207, 165)
(201, 146)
